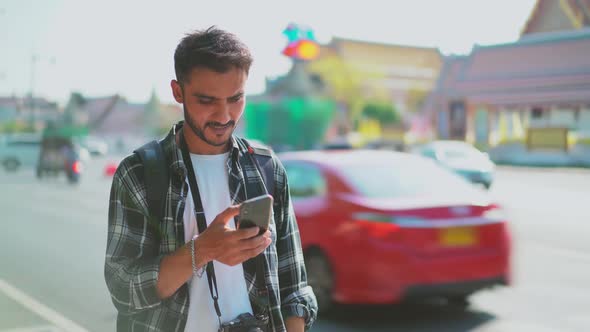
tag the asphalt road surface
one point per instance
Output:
(53, 239)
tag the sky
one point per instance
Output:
(53, 47)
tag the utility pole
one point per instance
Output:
(32, 103)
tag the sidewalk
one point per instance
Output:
(517, 154)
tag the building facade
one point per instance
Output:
(557, 15)
(403, 72)
(497, 93)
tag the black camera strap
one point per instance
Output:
(201, 221)
(202, 225)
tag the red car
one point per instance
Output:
(381, 227)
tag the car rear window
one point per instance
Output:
(402, 178)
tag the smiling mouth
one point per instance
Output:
(219, 129)
(221, 126)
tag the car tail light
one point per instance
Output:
(77, 167)
(377, 225)
(110, 169)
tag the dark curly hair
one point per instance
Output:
(214, 49)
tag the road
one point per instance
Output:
(54, 235)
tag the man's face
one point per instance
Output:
(213, 104)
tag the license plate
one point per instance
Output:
(457, 237)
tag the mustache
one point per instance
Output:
(231, 123)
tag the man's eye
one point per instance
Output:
(205, 101)
(235, 99)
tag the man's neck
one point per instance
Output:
(197, 146)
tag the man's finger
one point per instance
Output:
(252, 242)
(246, 233)
(258, 250)
(227, 214)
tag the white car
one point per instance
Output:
(94, 145)
(19, 150)
(462, 159)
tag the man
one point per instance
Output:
(154, 269)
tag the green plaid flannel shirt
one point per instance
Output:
(136, 244)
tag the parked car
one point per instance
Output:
(19, 150)
(383, 226)
(461, 158)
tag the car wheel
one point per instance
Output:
(73, 178)
(459, 301)
(11, 164)
(320, 278)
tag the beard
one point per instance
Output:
(200, 132)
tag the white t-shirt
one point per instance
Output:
(212, 179)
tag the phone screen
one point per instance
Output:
(256, 212)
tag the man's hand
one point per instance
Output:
(231, 247)
(218, 242)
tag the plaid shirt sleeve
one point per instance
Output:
(132, 262)
(297, 297)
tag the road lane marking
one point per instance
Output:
(513, 325)
(40, 309)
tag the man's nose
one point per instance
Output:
(222, 113)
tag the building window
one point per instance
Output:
(457, 119)
(537, 113)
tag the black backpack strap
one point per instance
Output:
(263, 161)
(262, 158)
(156, 177)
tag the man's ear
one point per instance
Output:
(177, 91)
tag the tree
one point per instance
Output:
(347, 84)
(383, 112)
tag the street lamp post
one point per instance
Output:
(35, 58)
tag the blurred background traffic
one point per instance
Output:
(438, 153)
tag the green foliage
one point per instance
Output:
(348, 83)
(385, 113)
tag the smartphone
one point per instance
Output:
(256, 212)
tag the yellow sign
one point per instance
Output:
(370, 129)
(547, 138)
